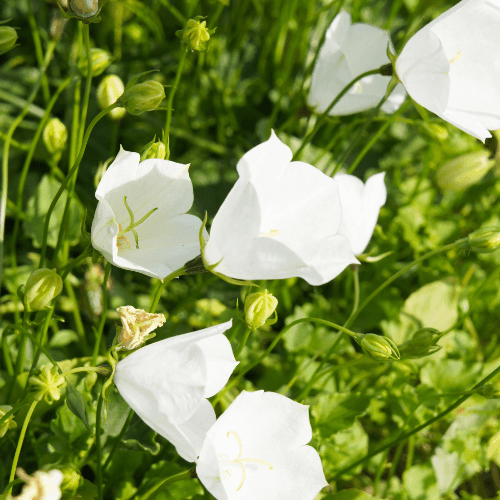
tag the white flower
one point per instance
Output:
(281, 219)
(348, 51)
(360, 207)
(42, 486)
(168, 237)
(257, 450)
(451, 66)
(166, 384)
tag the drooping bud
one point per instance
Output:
(101, 59)
(84, 8)
(464, 170)
(8, 422)
(422, 343)
(55, 137)
(108, 92)
(378, 347)
(42, 286)
(154, 150)
(489, 391)
(8, 39)
(72, 480)
(259, 307)
(137, 326)
(48, 384)
(43, 485)
(484, 240)
(196, 35)
(142, 97)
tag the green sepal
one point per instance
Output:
(375, 258)
(96, 256)
(421, 110)
(136, 77)
(86, 235)
(272, 321)
(86, 20)
(76, 404)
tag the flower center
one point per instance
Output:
(240, 460)
(121, 240)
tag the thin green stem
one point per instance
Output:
(67, 179)
(308, 138)
(395, 462)
(406, 435)
(243, 342)
(180, 66)
(15, 409)
(118, 440)
(380, 471)
(77, 260)
(102, 322)
(88, 81)
(98, 422)
(188, 474)
(161, 286)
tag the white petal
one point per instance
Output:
(361, 205)
(104, 230)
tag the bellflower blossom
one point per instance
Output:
(140, 222)
(257, 449)
(281, 219)
(348, 51)
(166, 384)
(451, 66)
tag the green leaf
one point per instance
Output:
(140, 436)
(63, 338)
(420, 483)
(76, 404)
(350, 494)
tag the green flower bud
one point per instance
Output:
(422, 343)
(84, 8)
(8, 39)
(258, 308)
(435, 130)
(101, 59)
(154, 150)
(485, 240)
(48, 384)
(142, 97)
(42, 286)
(489, 391)
(55, 137)
(72, 480)
(378, 347)
(108, 92)
(8, 423)
(464, 170)
(196, 35)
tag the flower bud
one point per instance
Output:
(42, 286)
(8, 38)
(378, 347)
(154, 150)
(72, 480)
(142, 97)
(55, 137)
(108, 92)
(101, 59)
(48, 384)
(137, 326)
(258, 308)
(464, 170)
(422, 343)
(8, 423)
(435, 130)
(484, 240)
(84, 8)
(489, 391)
(196, 35)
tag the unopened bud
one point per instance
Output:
(8, 38)
(101, 59)
(196, 35)
(55, 137)
(48, 384)
(108, 92)
(84, 8)
(154, 150)
(489, 391)
(484, 240)
(142, 97)
(435, 130)
(8, 423)
(42, 286)
(422, 343)
(137, 326)
(378, 347)
(259, 307)
(72, 480)
(464, 170)
(57, 25)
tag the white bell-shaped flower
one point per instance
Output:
(451, 66)
(348, 51)
(361, 205)
(166, 384)
(257, 450)
(159, 191)
(281, 219)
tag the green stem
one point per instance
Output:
(380, 471)
(88, 81)
(406, 435)
(15, 409)
(98, 422)
(67, 179)
(77, 260)
(188, 474)
(21, 350)
(243, 342)
(395, 462)
(118, 440)
(166, 132)
(308, 138)
(410, 452)
(102, 322)
(161, 286)
(20, 444)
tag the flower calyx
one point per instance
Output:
(42, 287)
(196, 35)
(141, 97)
(484, 240)
(259, 307)
(154, 150)
(423, 343)
(378, 347)
(8, 38)
(48, 384)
